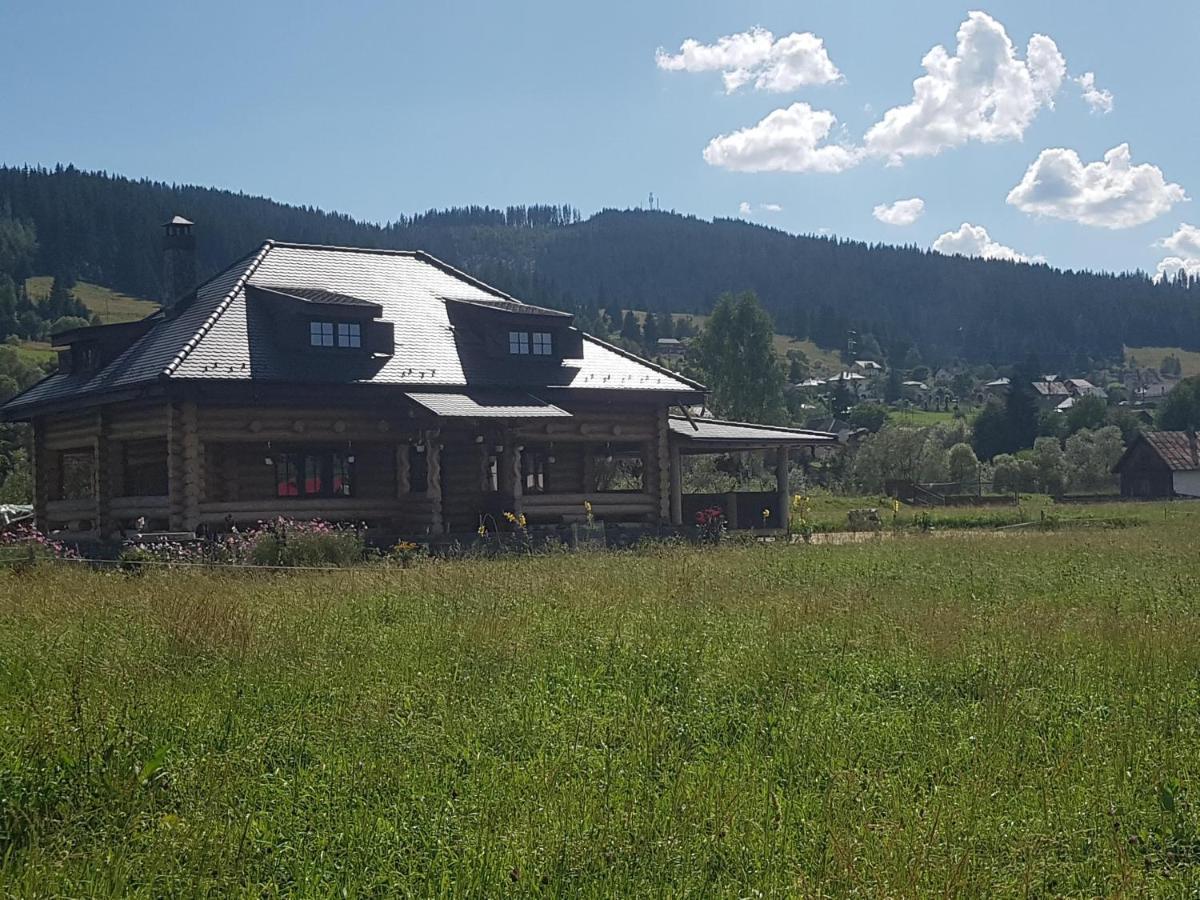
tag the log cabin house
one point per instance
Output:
(372, 386)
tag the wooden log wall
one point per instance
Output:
(316, 424)
(43, 471)
(175, 467)
(193, 465)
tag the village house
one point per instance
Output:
(367, 386)
(670, 348)
(1161, 464)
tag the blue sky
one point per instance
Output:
(382, 108)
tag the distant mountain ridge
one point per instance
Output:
(104, 229)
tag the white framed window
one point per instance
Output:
(349, 334)
(320, 334)
(518, 343)
(542, 344)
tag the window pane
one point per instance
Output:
(541, 343)
(77, 471)
(518, 342)
(313, 474)
(341, 475)
(418, 470)
(286, 484)
(349, 334)
(320, 334)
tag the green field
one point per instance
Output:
(828, 512)
(1189, 360)
(35, 352)
(110, 306)
(924, 417)
(983, 715)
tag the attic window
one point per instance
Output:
(85, 358)
(320, 334)
(323, 334)
(520, 343)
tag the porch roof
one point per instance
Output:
(486, 405)
(716, 435)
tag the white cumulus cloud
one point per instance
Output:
(1171, 266)
(1113, 193)
(902, 212)
(756, 57)
(974, 240)
(983, 92)
(1184, 245)
(746, 208)
(1184, 242)
(1097, 99)
(787, 140)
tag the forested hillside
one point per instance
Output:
(103, 229)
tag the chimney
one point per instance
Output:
(179, 260)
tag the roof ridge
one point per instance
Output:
(223, 305)
(300, 245)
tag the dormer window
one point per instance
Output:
(320, 334)
(335, 334)
(85, 358)
(523, 343)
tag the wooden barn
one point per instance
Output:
(1161, 464)
(371, 386)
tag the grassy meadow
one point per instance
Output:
(111, 306)
(972, 715)
(1189, 360)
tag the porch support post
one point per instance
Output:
(785, 491)
(433, 462)
(193, 466)
(662, 456)
(676, 486)
(402, 478)
(650, 476)
(511, 474)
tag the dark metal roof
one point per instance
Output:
(216, 334)
(487, 405)
(317, 295)
(512, 306)
(1177, 449)
(716, 431)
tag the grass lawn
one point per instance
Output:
(829, 512)
(111, 306)
(35, 352)
(924, 417)
(966, 715)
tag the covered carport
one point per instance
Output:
(691, 436)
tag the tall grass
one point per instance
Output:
(910, 717)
